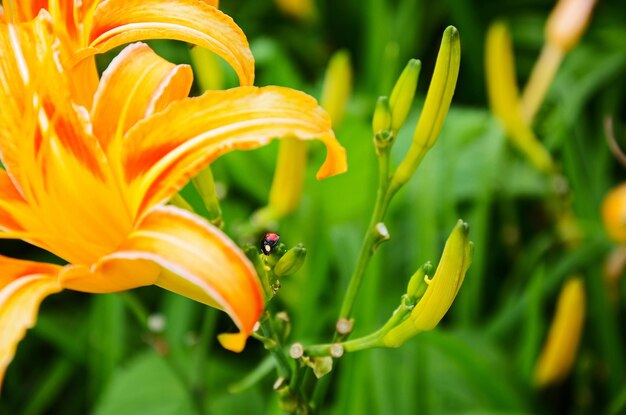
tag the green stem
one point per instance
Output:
(283, 364)
(372, 238)
(370, 341)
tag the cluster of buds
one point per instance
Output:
(391, 113)
(275, 261)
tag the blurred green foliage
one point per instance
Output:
(96, 353)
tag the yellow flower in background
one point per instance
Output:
(89, 183)
(298, 9)
(559, 351)
(504, 97)
(516, 111)
(614, 213)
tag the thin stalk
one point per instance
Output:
(540, 80)
(282, 360)
(372, 238)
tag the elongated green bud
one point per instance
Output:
(291, 261)
(436, 106)
(205, 185)
(381, 121)
(403, 94)
(441, 291)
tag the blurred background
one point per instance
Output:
(152, 352)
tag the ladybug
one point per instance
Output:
(269, 241)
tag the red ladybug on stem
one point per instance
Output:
(269, 241)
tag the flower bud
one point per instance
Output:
(504, 98)
(403, 93)
(205, 185)
(441, 291)
(567, 23)
(436, 106)
(381, 122)
(291, 262)
(418, 283)
(282, 325)
(560, 349)
(337, 86)
(288, 182)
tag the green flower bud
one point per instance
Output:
(417, 284)
(436, 106)
(403, 94)
(441, 291)
(291, 261)
(381, 122)
(205, 185)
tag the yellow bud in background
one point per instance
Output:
(563, 30)
(337, 86)
(504, 97)
(298, 9)
(568, 22)
(403, 94)
(614, 213)
(559, 351)
(288, 182)
(441, 291)
(436, 105)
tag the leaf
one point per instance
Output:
(147, 386)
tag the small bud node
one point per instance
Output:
(344, 326)
(336, 350)
(296, 351)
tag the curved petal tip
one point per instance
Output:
(235, 342)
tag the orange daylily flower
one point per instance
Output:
(96, 26)
(89, 184)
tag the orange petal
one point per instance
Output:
(51, 155)
(163, 151)
(85, 75)
(34, 89)
(136, 84)
(23, 286)
(23, 10)
(199, 262)
(117, 22)
(12, 205)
